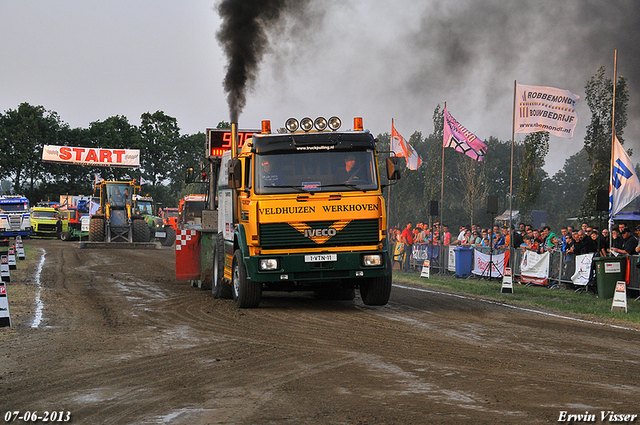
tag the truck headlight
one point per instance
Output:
(269, 264)
(371, 260)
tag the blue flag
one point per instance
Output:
(624, 185)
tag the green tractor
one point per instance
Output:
(158, 232)
(116, 220)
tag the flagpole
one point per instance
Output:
(513, 130)
(389, 190)
(440, 232)
(613, 137)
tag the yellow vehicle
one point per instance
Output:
(301, 210)
(116, 220)
(45, 221)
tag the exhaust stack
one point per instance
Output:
(234, 140)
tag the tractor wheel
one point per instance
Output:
(219, 288)
(171, 236)
(65, 236)
(246, 293)
(141, 232)
(96, 229)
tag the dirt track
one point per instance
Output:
(121, 341)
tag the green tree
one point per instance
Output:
(159, 135)
(23, 134)
(114, 133)
(597, 142)
(536, 147)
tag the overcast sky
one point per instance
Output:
(90, 60)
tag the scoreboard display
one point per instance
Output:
(219, 140)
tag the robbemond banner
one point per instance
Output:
(489, 265)
(546, 109)
(127, 158)
(534, 268)
(583, 269)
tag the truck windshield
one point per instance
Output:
(316, 172)
(145, 207)
(44, 214)
(15, 208)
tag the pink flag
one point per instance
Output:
(461, 139)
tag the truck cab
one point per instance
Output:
(45, 221)
(302, 210)
(15, 216)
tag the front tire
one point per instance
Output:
(141, 232)
(219, 288)
(65, 236)
(96, 229)
(377, 290)
(246, 293)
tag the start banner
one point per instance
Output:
(125, 158)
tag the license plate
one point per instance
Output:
(319, 258)
(161, 234)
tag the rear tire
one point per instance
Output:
(246, 293)
(219, 288)
(96, 229)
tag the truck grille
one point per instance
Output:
(47, 227)
(283, 235)
(14, 221)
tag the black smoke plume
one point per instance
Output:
(244, 39)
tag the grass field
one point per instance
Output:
(561, 301)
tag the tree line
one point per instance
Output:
(165, 155)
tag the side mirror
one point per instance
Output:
(235, 174)
(393, 172)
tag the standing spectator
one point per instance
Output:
(461, 236)
(605, 242)
(407, 240)
(446, 235)
(629, 245)
(616, 239)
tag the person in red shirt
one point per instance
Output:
(407, 240)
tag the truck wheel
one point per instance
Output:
(219, 288)
(96, 229)
(141, 231)
(246, 293)
(65, 236)
(376, 291)
(171, 236)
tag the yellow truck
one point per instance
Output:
(45, 221)
(300, 210)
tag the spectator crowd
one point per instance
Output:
(577, 241)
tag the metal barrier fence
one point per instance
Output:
(562, 265)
